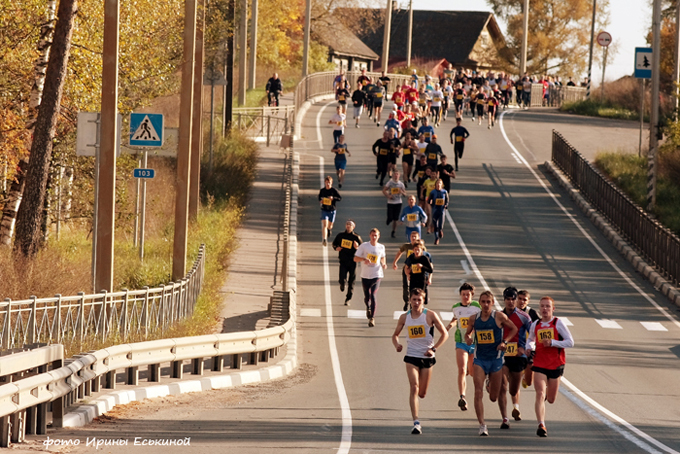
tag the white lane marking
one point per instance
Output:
(466, 267)
(584, 233)
(653, 326)
(566, 321)
(446, 316)
(346, 437)
(353, 313)
(309, 312)
(396, 314)
(480, 278)
(609, 324)
(567, 383)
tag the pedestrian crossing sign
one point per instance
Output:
(146, 130)
(643, 62)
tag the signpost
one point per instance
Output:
(643, 70)
(147, 131)
(604, 39)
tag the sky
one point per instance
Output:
(628, 26)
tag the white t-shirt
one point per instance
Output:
(394, 189)
(437, 97)
(338, 121)
(422, 146)
(374, 254)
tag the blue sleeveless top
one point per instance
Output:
(487, 338)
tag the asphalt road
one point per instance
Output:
(515, 227)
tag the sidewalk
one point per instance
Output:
(255, 266)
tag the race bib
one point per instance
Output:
(421, 173)
(340, 150)
(427, 135)
(464, 322)
(459, 138)
(491, 104)
(511, 349)
(372, 258)
(395, 190)
(327, 201)
(347, 244)
(412, 217)
(459, 97)
(439, 202)
(408, 253)
(432, 156)
(378, 95)
(416, 268)
(415, 332)
(339, 123)
(421, 102)
(437, 99)
(485, 336)
(397, 99)
(364, 82)
(407, 151)
(543, 334)
(341, 98)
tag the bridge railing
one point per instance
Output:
(268, 123)
(654, 242)
(107, 315)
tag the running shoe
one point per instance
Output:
(483, 431)
(488, 127)
(347, 298)
(524, 383)
(542, 431)
(371, 322)
(393, 234)
(356, 125)
(330, 233)
(516, 414)
(342, 286)
(504, 424)
(441, 233)
(378, 124)
(436, 241)
(368, 314)
(340, 185)
(417, 430)
(462, 403)
(324, 243)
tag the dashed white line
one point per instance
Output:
(609, 324)
(653, 326)
(310, 312)
(353, 313)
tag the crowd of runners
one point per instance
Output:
(502, 350)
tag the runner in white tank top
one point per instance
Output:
(420, 324)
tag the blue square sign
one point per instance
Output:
(146, 130)
(643, 62)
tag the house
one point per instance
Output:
(467, 39)
(345, 49)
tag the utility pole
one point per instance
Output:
(654, 114)
(197, 122)
(525, 37)
(253, 47)
(305, 49)
(179, 251)
(590, 54)
(106, 195)
(386, 36)
(228, 93)
(242, 53)
(410, 34)
(676, 75)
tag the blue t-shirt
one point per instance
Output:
(427, 131)
(342, 149)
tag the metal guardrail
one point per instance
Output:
(120, 315)
(655, 243)
(560, 95)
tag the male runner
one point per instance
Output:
(419, 269)
(433, 151)
(420, 350)
(341, 153)
(377, 96)
(490, 344)
(461, 317)
(523, 297)
(436, 106)
(548, 337)
(408, 249)
(458, 135)
(346, 243)
(438, 200)
(446, 172)
(372, 258)
(358, 100)
(381, 149)
(328, 197)
(338, 121)
(410, 148)
(342, 94)
(413, 216)
(515, 359)
(426, 130)
(393, 190)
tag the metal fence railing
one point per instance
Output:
(119, 315)
(655, 243)
(560, 95)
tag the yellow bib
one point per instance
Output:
(485, 336)
(347, 244)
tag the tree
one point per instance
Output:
(559, 33)
(29, 218)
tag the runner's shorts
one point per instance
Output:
(330, 215)
(550, 373)
(340, 164)
(358, 110)
(515, 363)
(420, 363)
(465, 347)
(489, 366)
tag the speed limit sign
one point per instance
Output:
(604, 39)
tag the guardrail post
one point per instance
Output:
(110, 380)
(32, 320)
(217, 363)
(81, 317)
(31, 420)
(177, 369)
(4, 432)
(133, 376)
(58, 403)
(254, 358)
(237, 361)
(7, 324)
(17, 423)
(154, 373)
(197, 366)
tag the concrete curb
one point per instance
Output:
(85, 413)
(303, 110)
(627, 251)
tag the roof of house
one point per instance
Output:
(436, 34)
(342, 41)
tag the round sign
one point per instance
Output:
(604, 39)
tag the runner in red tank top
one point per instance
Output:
(548, 337)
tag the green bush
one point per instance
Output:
(597, 108)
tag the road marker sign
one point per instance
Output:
(643, 62)
(146, 130)
(604, 39)
(144, 173)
